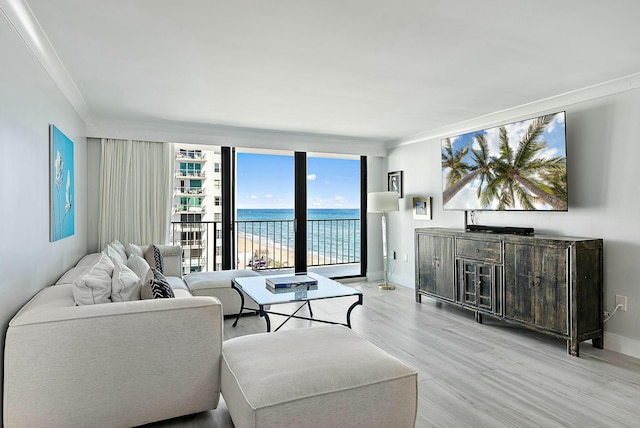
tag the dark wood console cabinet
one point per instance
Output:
(552, 284)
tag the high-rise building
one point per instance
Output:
(196, 212)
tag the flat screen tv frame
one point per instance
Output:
(519, 166)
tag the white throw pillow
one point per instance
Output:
(125, 284)
(138, 265)
(94, 286)
(134, 249)
(119, 247)
(115, 255)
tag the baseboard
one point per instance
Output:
(622, 344)
(375, 276)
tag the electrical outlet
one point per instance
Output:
(622, 301)
(406, 257)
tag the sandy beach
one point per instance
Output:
(267, 253)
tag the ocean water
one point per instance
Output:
(287, 214)
(333, 235)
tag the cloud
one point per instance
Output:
(268, 196)
(330, 202)
(311, 177)
(557, 120)
(253, 197)
(339, 200)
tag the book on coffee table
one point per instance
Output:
(291, 281)
(300, 289)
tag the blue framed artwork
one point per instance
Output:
(61, 189)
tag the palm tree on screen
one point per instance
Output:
(525, 176)
(481, 167)
(457, 168)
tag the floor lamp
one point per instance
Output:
(383, 202)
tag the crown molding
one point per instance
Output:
(546, 105)
(232, 136)
(25, 24)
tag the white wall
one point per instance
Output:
(602, 158)
(29, 102)
(376, 182)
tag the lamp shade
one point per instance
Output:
(381, 202)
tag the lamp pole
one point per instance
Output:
(383, 202)
(385, 255)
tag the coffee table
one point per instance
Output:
(256, 288)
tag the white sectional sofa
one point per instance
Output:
(116, 364)
(123, 364)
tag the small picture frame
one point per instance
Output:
(422, 208)
(394, 180)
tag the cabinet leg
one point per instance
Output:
(598, 342)
(478, 317)
(573, 348)
(418, 298)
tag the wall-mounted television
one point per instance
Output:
(520, 166)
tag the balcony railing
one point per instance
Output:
(189, 191)
(189, 173)
(189, 227)
(190, 155)
(188, 209)
(262, 245)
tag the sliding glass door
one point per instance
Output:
(298, 212)
(265, 227)
(333, 214)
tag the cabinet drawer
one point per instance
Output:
(479, 250)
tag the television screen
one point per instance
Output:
(520, 166)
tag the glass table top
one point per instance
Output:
(256, 288)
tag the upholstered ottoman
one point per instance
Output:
(315, 377)
(218, 284)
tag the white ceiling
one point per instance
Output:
(374, 69)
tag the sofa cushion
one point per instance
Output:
(72, 274)
(95, 285)
(179, 292)
(138, 265)
(89, 260)
(218, 284)
(200, 282)
(125, 284)
(156, 286)
(177, 283)
(171, 258)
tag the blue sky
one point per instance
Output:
(266, 181)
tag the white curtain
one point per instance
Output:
(135, 192)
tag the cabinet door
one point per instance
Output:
(467, 277)
(551, 302)
(436, 265)
(476, 284)
(485, 286)
(519, 275)
(536, 285)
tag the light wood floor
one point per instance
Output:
(476, 375)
